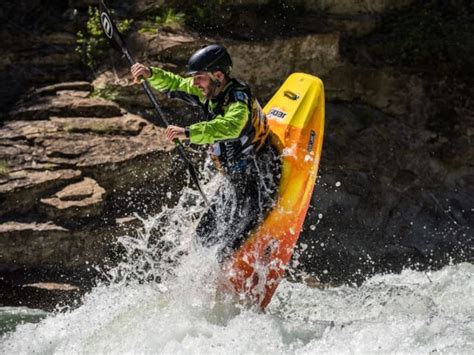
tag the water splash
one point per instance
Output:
(388, 313)
(162, 299)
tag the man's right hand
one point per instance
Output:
(140, 71)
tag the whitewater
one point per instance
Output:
(153, 304)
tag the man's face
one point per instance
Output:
(204, 82)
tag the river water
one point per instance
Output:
(151, 305)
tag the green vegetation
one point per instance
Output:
(169, 19)
(109, 92)
(92, 43)
(48, 166)
(100, 128)
(4, 169)
(92, 126)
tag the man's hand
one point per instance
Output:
(140, 71)
(175, 132)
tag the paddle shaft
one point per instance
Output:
(148, 92)
(117, 42)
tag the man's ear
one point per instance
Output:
(219, 75)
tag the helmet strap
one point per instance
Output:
(214, 80)
(216, 84)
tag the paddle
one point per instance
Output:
(117, 41)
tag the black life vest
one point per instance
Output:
(233, 154)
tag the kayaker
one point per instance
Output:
(237, 130)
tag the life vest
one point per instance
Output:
(233, 154)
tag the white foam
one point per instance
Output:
(180, 314)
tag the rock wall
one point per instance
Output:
(70, 162)
(355, 7)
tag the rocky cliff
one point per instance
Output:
(78, 157)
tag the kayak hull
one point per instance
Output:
(296, 119)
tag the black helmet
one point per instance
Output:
(209, 59)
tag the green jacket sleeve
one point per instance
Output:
(227, 126)
(166, 81)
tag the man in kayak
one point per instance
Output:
(237, 130)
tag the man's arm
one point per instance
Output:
(165, 81)
(227, 126)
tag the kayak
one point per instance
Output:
(296, 119)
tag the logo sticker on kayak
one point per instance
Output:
(276, 114)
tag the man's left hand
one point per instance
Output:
(175, 132)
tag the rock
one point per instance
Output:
(52, 286)
(129, 125)
(59, 39)
(128, 225)
(82, 199)
(42, 245)
(99, 146)
(325, 6)
(316, 54)
(319, 54)
(121, 153)
(356, 26)
(404, 180)
(32, 243)
(69, 86)
(74, 93)
(355, 7)
(65, 105)
(383, 88)
(17, 227)
(16, 131)
(48, 295)
(21, 190)
(126, 220)
(39, 294)
(165, 45)
(382, 195)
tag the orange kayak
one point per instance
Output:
(296, 119)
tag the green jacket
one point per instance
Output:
(227, 125)
(234, 122)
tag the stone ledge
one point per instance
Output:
(64, 104)
(82, 199)
(21, 190)
(48, 244)
(53, 89)
(18, 227)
